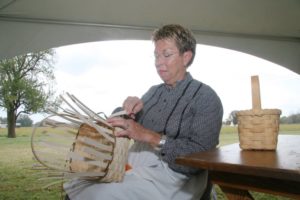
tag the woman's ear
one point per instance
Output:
(187, 56)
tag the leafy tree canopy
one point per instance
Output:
(26, 85)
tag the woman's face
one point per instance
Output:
(169, 63)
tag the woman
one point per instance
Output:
(178, 117)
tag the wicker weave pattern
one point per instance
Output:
(111, 161)
(73, 144)
(116, 169)
(258, 128)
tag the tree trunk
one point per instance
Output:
(11, 123)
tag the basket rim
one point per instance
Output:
(259, 112)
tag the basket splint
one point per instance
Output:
(78, 143)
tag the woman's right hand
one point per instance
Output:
(132, 105)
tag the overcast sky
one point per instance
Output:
(103, 74)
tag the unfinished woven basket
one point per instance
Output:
(258, 128)
(71, 144)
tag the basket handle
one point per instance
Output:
(256, 103)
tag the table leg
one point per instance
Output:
(234, 194)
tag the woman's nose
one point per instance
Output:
(159, 61)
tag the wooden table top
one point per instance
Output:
(283, 163)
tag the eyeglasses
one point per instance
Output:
(164, 55)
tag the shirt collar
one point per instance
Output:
(188, 77)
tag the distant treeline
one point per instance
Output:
(23, 120)
(291, 119)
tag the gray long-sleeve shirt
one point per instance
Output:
(190, 115)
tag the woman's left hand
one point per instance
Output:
(133, 130)
(129, 128)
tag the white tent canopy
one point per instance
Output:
(269, 29)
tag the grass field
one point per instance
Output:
(19, 182)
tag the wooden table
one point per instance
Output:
(238, 171)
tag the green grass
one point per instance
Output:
(19, 182)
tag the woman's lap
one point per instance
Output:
(136, 187)
(133, 187)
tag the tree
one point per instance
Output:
(24, 120)
(232, 118)
(26, 85)
(291, 119)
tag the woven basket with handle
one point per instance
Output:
(258, 128)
